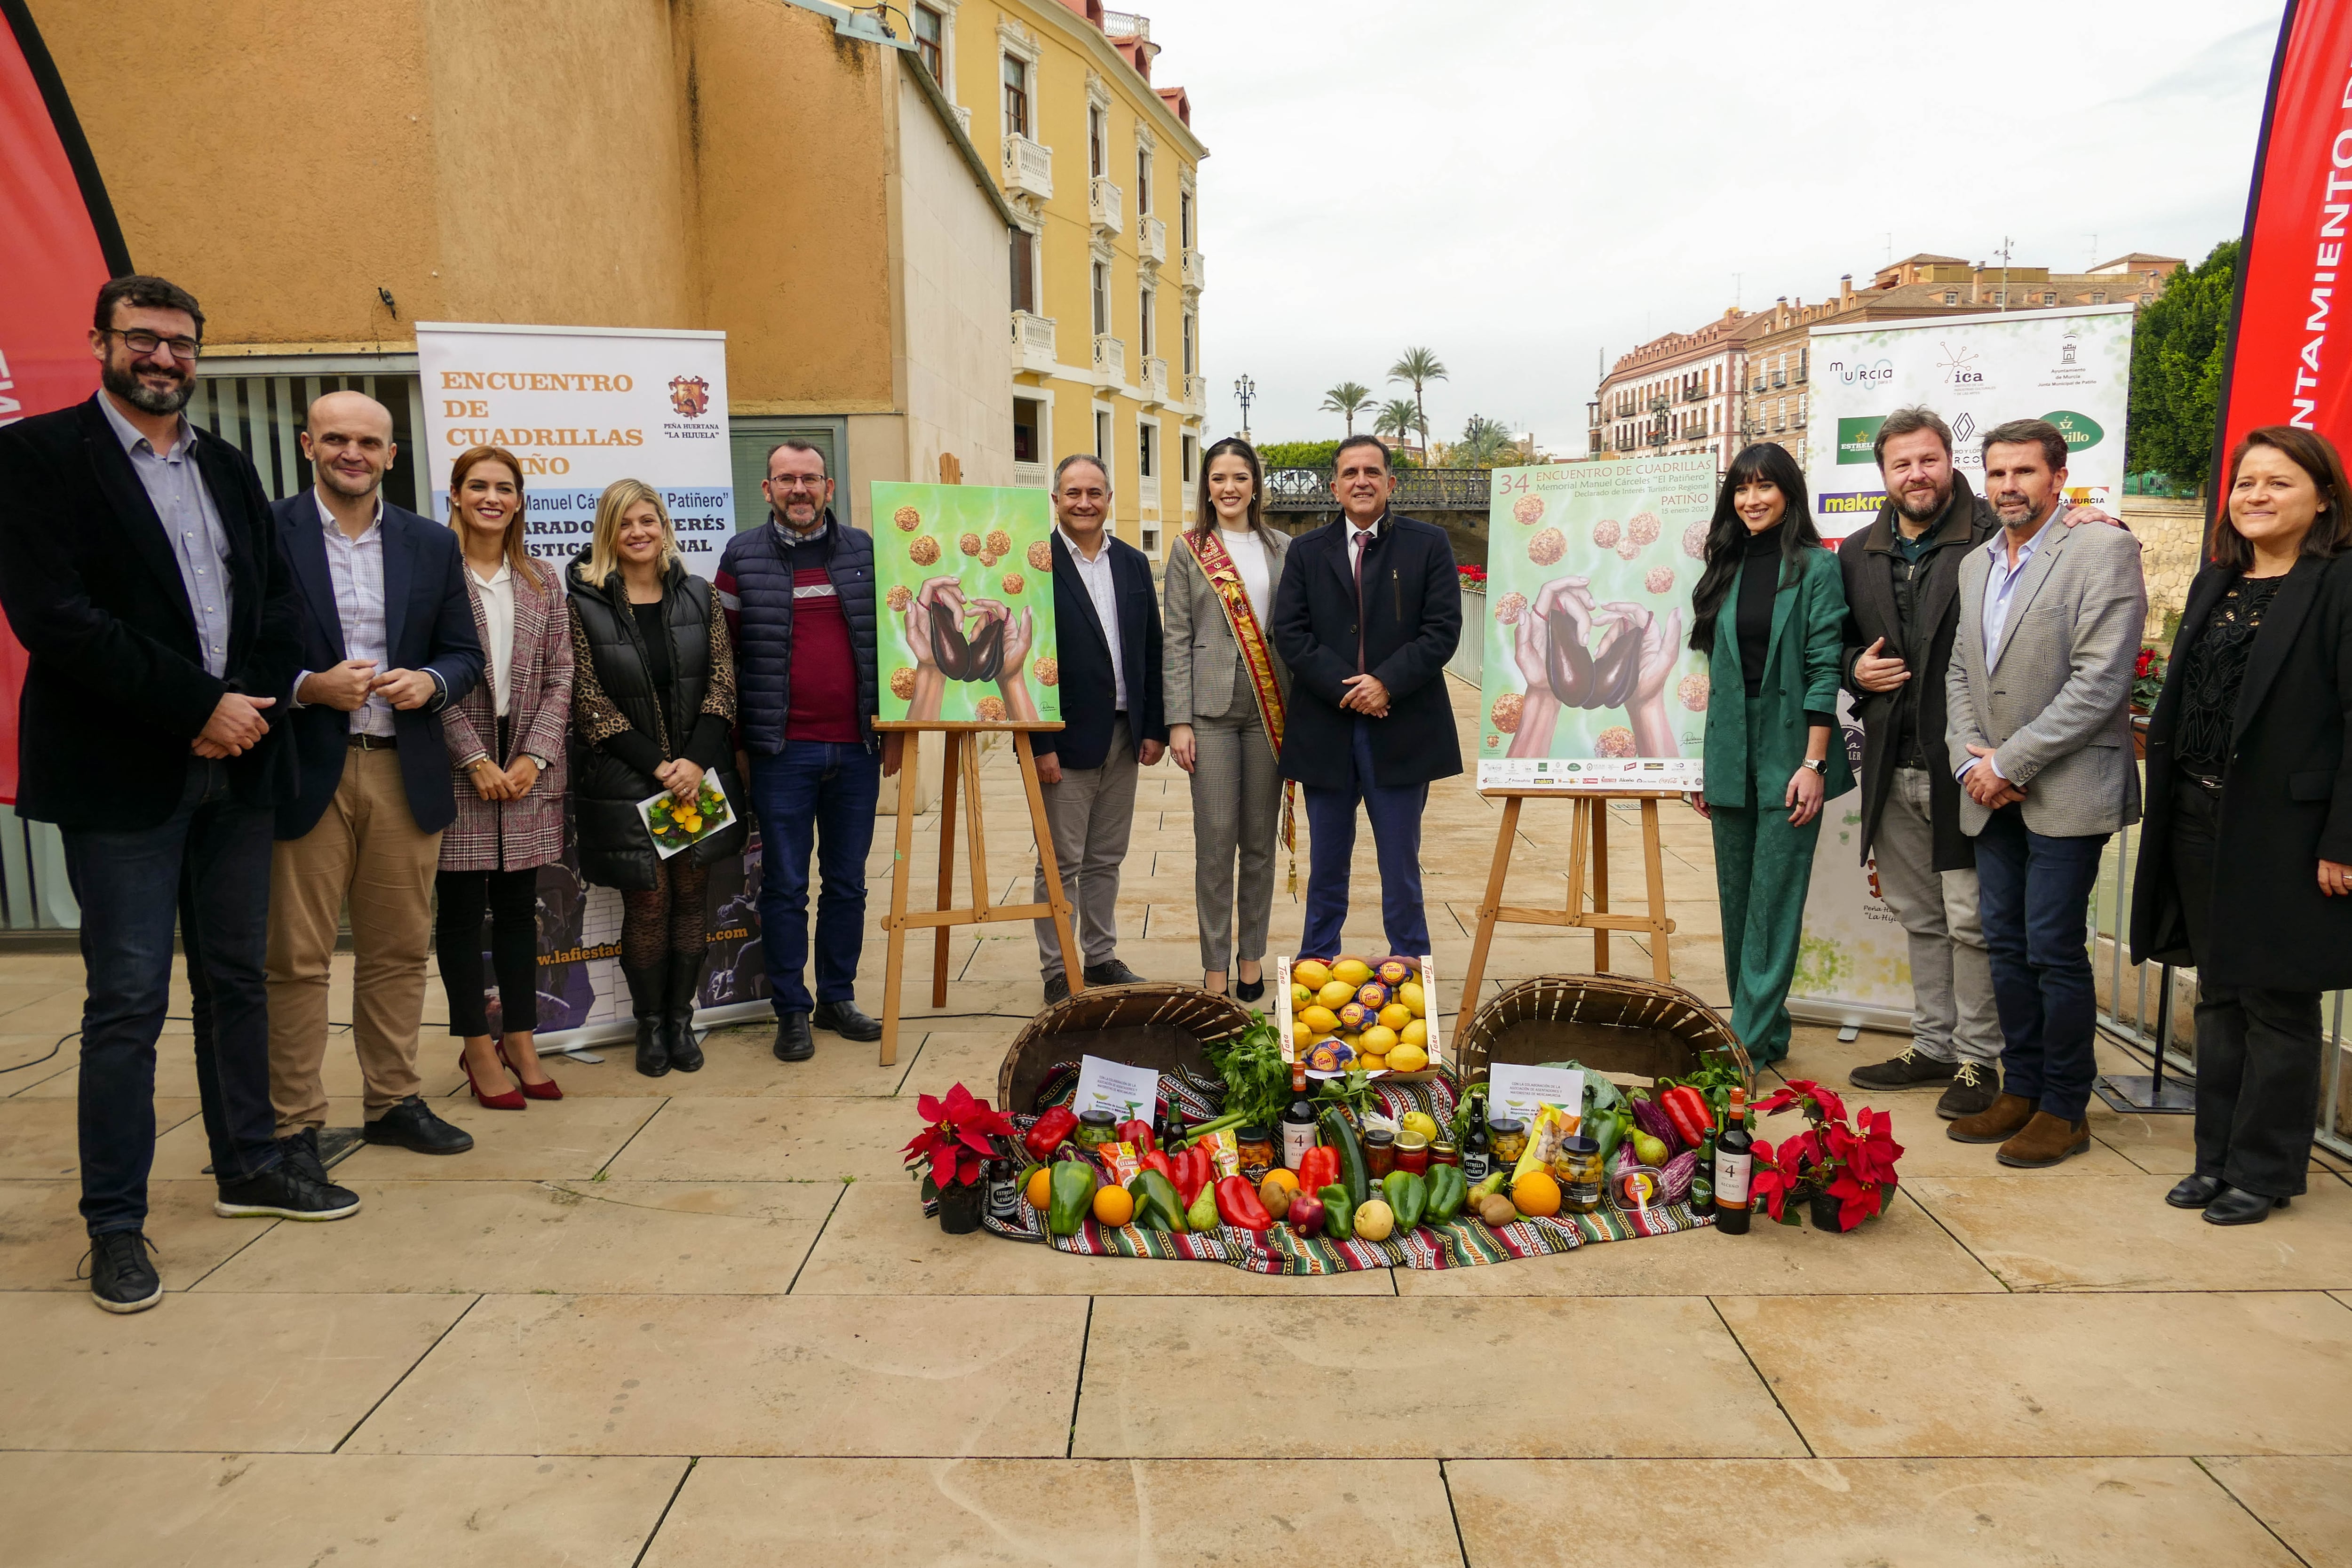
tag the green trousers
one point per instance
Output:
(1762, 869)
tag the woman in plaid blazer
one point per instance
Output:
(506, 743)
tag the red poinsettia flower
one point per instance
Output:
(2146, 660)
(955, 1137)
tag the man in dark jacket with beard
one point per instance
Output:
(1902, 592)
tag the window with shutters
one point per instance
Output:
(1016, 95)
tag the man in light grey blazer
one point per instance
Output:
(2040, 729)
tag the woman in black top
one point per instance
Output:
(653, 707)
(2245, 860)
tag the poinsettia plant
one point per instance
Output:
(2148, 677)
(955, 1139)
(1830, 1157)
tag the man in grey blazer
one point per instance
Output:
(2040, 729)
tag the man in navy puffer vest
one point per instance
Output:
(799, 596)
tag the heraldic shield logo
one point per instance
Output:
(689, 395)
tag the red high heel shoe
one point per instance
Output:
(511, 1101)
(550, 1089)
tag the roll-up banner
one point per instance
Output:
(58, 243)
(581, 408)
(2284, 367)
(2069, 365)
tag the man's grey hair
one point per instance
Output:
(1075, 459)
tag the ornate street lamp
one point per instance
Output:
(1245, 392)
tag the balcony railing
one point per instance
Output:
(1110, 360)
(1103, 208)
(1032, 476)
(1196, 394)
(1028, 168)
(1033, 340)
(1780, 381)
(1194, 270)
(1151, 239)
(1155, 381)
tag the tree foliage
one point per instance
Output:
(1486, 444)
(2179, 347)
(1312, 455)
(1416, 368)
(1349, 398)
(1397, 417)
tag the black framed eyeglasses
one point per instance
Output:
(185, 349)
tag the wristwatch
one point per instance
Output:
(1819, 764)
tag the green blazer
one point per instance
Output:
(1801, 675)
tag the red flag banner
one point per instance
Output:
(57, 243)
(2291, 352)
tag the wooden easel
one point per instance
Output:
(1588, 854)
(962, 768)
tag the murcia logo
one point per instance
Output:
(1959, 365)
(1875, 374)
(689, 395)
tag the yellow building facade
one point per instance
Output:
(1099, 166)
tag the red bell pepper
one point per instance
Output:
(1156, 1161)
(1237, 1205)
(1138, 1133)
(1192, 1171)
(1687, 1110)
(1317, 1168)
(1047, 1135)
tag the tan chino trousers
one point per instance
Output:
(366, 850)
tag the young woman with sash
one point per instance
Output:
(1226, 691)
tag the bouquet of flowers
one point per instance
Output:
(677, 825)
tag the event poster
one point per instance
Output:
(1589, 683)
(966, 577)
(580, 407)
(2071, 366)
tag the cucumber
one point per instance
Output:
(1340, 1135)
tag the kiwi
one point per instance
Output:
(1497, 1211)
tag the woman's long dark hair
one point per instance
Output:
(1727, 535)
(1234, 445)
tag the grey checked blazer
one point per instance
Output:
(2054, 699)
(1201, 667)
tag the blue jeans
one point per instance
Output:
(2035, 897)
(205, 867)
(1395, 815)
(823, 792)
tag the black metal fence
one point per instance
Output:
(1418, 489)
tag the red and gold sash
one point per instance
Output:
(1225, 579)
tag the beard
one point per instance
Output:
(1926, 511)
(124, 382)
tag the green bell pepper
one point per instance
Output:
(1157, 1205)
(1408, 1197)
(1448, 1191)
(1071, 1197)
(1339, 1213)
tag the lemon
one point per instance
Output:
(1420, 1121)
(1415, 1032)
(1336, 994)
(1354, 971)
(1300, 996)
(1372, 1064)
(1307, 971)
(1378, 1040)
(1409, 1059)
(1302, 1037)
(1396, 1015)
(1412, 995)
(1321, 1020)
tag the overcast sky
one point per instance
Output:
(1521, 185)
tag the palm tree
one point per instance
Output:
(1418, 366)
(1349, 398)
(1484, 441)
(1397, 417)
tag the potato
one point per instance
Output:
(1497, 1211)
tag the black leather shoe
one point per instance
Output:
(1058, 989)
(1973, 1090)
(300, 1152)
(1909, 1069)
(283, 1193)
(2235, 1205)
(411, 1125)
(1112, 973)
(793, 1043)
(2194, 1192)
(844, 1020)
(1249, 989)
(677, 1012)
(648, 997)
(122, 1280)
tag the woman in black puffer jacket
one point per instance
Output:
(653, 708)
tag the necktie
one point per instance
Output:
(1363, 541)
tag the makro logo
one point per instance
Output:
(1849, 503)
(1878, 372)
(2080, 429)
(1857, 440)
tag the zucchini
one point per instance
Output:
(1340, 1135)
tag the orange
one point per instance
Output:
(1113, 1207)
(1040, 1190)
(1284, 1176)
(1536, 1192)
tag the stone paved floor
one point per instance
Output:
(699, 1321)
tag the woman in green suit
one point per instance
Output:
(1768, 612)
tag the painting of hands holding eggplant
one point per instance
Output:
(965, 577)
(1589, 568)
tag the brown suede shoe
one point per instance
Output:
(1996, 1124)
(2045, 1141)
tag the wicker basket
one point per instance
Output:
(1611, 1023)
(1155, 1024)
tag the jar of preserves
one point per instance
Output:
(1444, 1153)
(1256, 1147)
(1506, 1140)
(1578, 1168)
(1096, 1127)
(1380, 1153)
(1412, 1152)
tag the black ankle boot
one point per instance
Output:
(677, 1015)
(648, 992)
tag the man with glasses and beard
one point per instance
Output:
(140, 569)
(1902, 581)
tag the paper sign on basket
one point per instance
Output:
(1522, 1091)
(1126, 1092)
